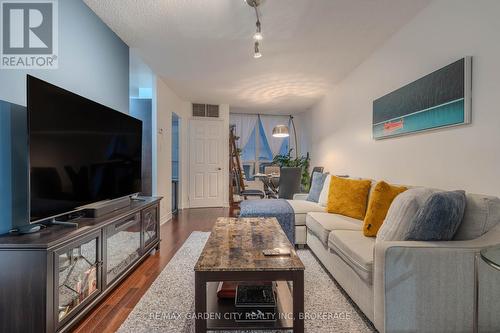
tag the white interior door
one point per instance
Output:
(206, 163)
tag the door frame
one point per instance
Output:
(181, 176)
(225, 162)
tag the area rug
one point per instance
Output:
(168, 305)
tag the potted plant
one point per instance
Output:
(286, 160)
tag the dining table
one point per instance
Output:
(271, 183)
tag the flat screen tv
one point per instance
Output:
(80, 151)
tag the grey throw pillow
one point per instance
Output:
(439, 218)
(401, 214)
(318, 180)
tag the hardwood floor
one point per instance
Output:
(114, 309)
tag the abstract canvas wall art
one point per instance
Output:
(439, 99)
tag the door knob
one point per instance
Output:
(219, 169)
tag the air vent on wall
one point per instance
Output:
(205, 110)
(212, 111)
(199, 110)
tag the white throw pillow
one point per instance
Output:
(323, 196)
(401, 213)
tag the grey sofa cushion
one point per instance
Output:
(302, 207)
(318, 179)
(439, 218)
(321, 224)
(355, 249)
(401, 213)
(482, 212)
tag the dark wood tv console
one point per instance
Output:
(49, 280)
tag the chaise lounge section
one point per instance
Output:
(301, 207)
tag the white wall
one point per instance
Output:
(465, 157)
(303, 125)
(142, 79)
(166, 102)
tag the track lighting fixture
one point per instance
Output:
(257, 36)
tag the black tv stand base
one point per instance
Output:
(27, 229)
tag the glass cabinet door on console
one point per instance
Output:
(150, 225)
(77, 276)
(123, 245)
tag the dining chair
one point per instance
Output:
(289, 182)
(246, 193)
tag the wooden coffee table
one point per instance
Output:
(233, 252)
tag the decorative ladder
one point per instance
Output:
(234, 164)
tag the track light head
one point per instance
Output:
(258, 34)
(257, 53)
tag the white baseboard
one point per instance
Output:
(166, 218)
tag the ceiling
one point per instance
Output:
(203, 49)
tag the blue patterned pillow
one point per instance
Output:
(439, 218)
(318, 179)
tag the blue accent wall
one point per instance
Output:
(93, 62)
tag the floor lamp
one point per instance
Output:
(282, 131)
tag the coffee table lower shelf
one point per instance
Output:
(215, 306)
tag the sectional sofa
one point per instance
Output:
(410, 286)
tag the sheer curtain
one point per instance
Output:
(268, 123)
(245, 124)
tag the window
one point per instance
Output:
(258, 146)
(248, 153)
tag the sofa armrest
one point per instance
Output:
(300, 196)
(427, 286)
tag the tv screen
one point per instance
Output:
(81, 152)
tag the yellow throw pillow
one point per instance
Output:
(348, 197)
(380, 200)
